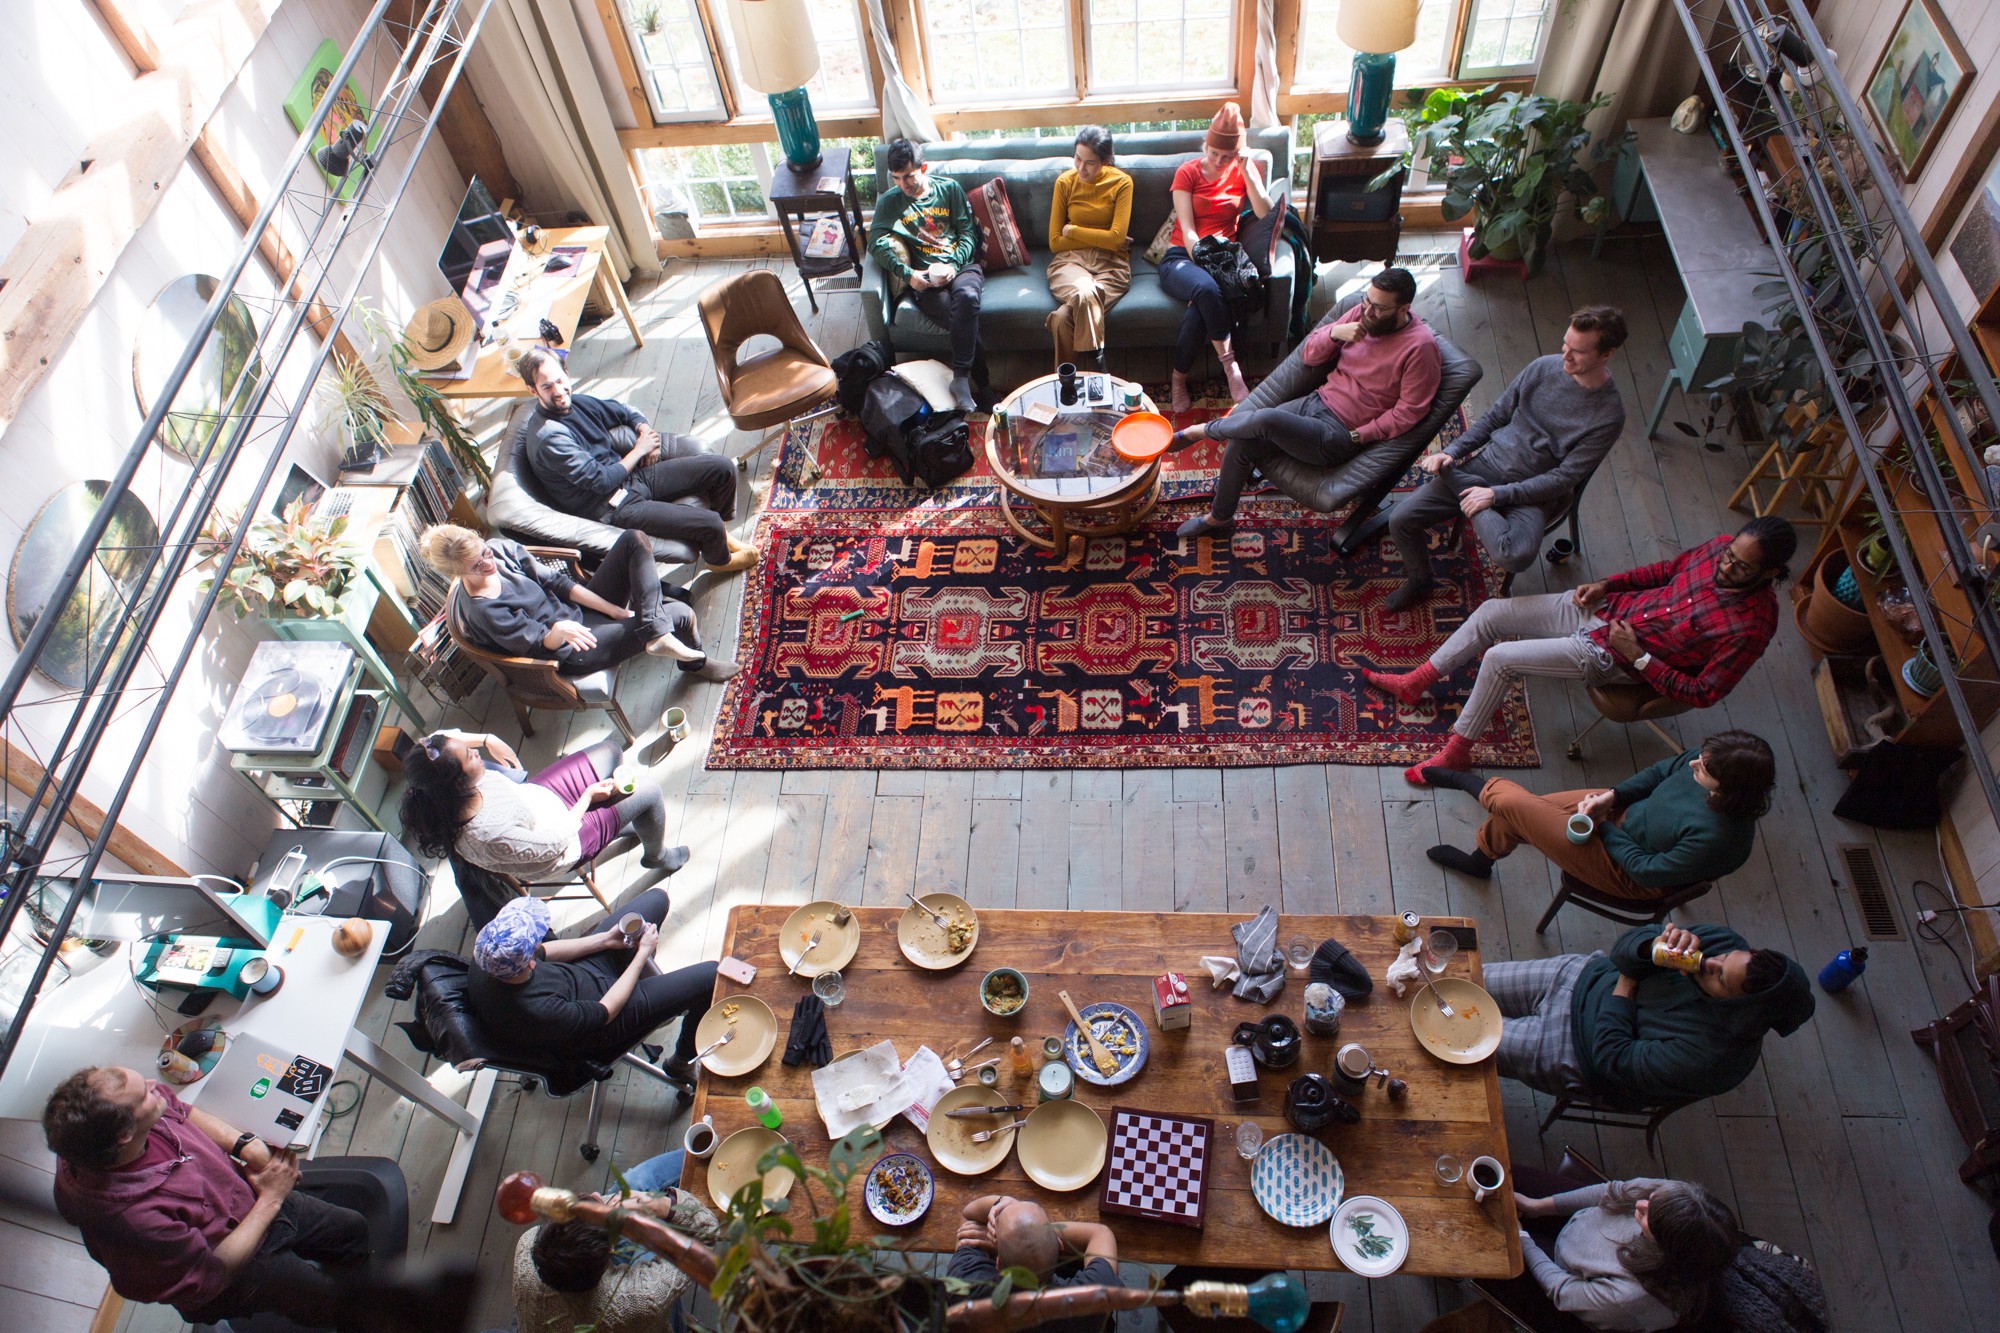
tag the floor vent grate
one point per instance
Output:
(1870, 886)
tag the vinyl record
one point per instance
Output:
(285, 707)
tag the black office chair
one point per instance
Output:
(446, 1027)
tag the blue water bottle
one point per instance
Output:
(1839, 974)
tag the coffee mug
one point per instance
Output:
(1485, 1175)
(1133, 397)
(1561, 550)
(632, 926)
(625, 778)
(1580, 827)
(699, 1141)
(261, 975)
(1066, 383)
(676, 723)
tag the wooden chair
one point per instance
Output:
(1625, 911)
(772, 388)
(534, 682)
(1629, 703)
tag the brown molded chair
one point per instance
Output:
(534, 682)
(771, 388)
(1629, 703)
(1625, 911)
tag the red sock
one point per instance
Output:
(1407, 686)
(1457, 753)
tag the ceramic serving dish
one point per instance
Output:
(756, 1029)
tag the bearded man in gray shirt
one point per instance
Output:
(1522, 462)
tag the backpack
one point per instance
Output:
(1234, 272)
(854, 371)
(935, 446)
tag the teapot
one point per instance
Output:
(1311, 1104)
(1275, 1041)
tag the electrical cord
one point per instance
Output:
(1928, 925)
(318, 872)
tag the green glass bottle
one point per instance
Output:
(766, 1110)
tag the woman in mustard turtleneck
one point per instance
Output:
(1091, 267)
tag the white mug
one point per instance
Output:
(1485, 1175)
(699, 1141)
(676, 723)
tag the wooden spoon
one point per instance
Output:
(1105, 1063)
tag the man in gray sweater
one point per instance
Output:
(1534, 447)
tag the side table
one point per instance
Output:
(827, 188)
(1351, 222)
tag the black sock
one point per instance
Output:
(1475, 863)
(1469, 783)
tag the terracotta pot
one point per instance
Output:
(1827, 623)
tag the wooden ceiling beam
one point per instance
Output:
(60, 264)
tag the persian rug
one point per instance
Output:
(933, 637)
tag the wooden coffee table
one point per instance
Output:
(1096, 956)
(1091, 493)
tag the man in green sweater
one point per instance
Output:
(924, 235)
(1629, 1033)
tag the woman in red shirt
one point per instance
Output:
(1208, 198)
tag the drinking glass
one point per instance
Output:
(1450, 1170)
(1439, 947)
(830, 989)
(1249, 1139)
(1299, 952)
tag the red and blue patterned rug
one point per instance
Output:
(973, 649)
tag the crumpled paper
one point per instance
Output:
(875, 1087)
(1405, 967)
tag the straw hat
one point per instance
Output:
(438, 333)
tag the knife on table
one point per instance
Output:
(968, 1112)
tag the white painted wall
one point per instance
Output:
(59, 80)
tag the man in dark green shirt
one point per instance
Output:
(924, 235)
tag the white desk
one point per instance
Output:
(103, 1017)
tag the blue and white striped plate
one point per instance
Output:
(1297, 1180)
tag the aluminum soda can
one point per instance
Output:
(1688, 961)
(1406, 928)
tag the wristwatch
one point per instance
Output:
(1641, 662)
(242, 1141)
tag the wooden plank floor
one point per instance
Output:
(1839, 1146)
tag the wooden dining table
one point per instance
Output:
(1391, 1154)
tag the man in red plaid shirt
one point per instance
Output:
(1689, 627)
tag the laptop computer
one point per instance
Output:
(266, 1089)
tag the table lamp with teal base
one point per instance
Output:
(777, 54)
(1375, 30)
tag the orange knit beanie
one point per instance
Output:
(1225, 132)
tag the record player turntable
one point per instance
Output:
(286, 698)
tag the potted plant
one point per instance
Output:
(1826, 620)
(430, 406)
(357, 402)
(1510, 160)
(297, 567)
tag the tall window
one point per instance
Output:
(843, 83)
(1504, 37)
(1152, 44)
(721, 183)
(1325, 63)
(671, 49)
(994, 50)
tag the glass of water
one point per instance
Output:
(1450, 1170)
(1249, 1139)
(1439, 948)
(830, 989)
(1299, 952)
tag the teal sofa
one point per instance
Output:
(1017, 303)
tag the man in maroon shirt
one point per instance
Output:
(1689, 627)
(182, 1210)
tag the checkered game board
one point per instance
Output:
(1158, 1166)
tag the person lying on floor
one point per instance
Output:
(1686, 819)
(1688, 627)
(1630, 1033)
(571, 1275)
(593, 996)
(509, 602)
(532, 826)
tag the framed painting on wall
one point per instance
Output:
(1917, 83)
(1976, 246)
(350, 107)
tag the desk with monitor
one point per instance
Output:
(301, 1029)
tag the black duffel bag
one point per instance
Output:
(922, 443)
(854, 371)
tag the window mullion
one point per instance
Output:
(725, 80)
(1079, 50)
(1455, 56)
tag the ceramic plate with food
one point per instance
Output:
(735, 1165)
(756, 1033)
(1120, 1031)
(951, 1140)
(837, 943)
(899, 1190)
(924, 944)
(1369, 1236)
(1472, 1032)
(1062, 1145)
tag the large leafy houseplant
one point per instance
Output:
(430, 406)
(296, 565)
(1511, 160)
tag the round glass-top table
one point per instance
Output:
(1075, 483)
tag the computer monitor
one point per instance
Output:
(475, 254)
(144, 907)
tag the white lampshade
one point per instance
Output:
(1377, 26)
(775, 48)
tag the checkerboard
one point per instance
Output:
(1157, 1166)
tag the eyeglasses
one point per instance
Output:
(1731, 561)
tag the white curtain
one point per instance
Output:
(1635, 50)
(904, 114)
(1264, 81)
(533, 71)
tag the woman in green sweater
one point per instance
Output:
(1091, 266)
(1684, 820)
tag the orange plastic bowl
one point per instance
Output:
(1141, 437)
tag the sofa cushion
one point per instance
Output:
(1001, 245)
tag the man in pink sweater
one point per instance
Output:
(1382, 385)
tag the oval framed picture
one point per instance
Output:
(225, 374)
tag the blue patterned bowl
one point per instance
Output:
(1297, 1180)
(909, 1170)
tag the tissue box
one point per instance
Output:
(1171, 1007)
(1242, 1068)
